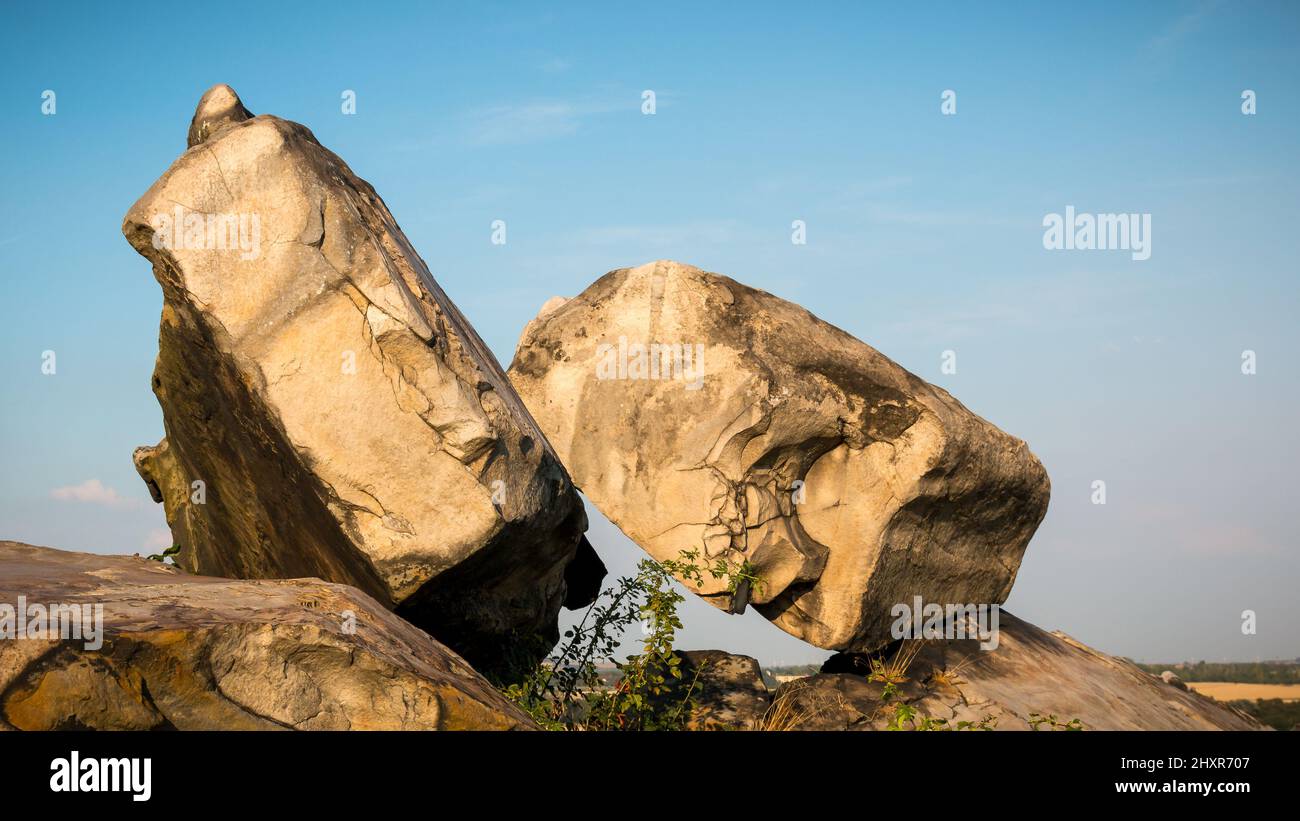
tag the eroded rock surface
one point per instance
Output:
(1032, 676)
(200, 653)
(698, 413)
(329, 412)
(726, 690)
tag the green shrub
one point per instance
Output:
(566, 691)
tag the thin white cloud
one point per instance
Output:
(861, 199)
(556, 65)
(936, 218)
(684, 234)
(94, 492)
(158, 540)
(1185, 528)
(536, 120)
(529, 122)
(1050, 302)
(1212, 181)
(1183, 26)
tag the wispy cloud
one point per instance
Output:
(1183, 26)
(158, 540)
(1213, 181)
(536, 120)
(94, 492)
(1185, 528)
(681, 234)
(1081, 297)
(530, 122)
(544, 119)
(889, 213)
(882, 201)
(556, 65)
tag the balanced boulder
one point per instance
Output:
(122, 643)
(700, 414)
(329, 412)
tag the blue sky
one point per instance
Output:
(924, 235)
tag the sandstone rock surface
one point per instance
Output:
(200, 653)
(1030, 672)
(727, 690)
(698, 413)
(329, 412)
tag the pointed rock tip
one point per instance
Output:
(218, 108)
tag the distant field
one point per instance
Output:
(1237, 691)
(1253, 672)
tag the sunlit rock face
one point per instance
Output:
(1031, 680)
(701, 414)
(158, 649)
(329, 412)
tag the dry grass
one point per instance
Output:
(950, 678)
(1238, 691)
(788, 712)
(896, 666)
(796, 707)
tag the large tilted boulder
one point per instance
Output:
(329, 411)
(175, 651)
(1032, 679)
(698, 413)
